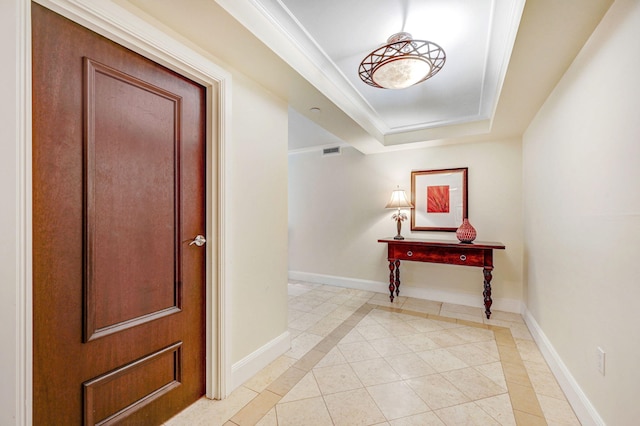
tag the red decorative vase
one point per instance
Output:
(466, 233)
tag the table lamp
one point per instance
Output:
(398, 201)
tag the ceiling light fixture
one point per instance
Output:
(402, 62)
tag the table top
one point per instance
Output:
(445, 243)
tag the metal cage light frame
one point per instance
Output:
(388, 59)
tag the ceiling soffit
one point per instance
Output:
(325, 41)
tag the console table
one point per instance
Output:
(477, 253)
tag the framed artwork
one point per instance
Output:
(439, 198)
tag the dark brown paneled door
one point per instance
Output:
(118, 196)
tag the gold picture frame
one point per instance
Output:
(439, 198)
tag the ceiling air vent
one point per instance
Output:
(335, 150)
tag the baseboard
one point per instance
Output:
(499, 304)
(581, 405)
(247, 367)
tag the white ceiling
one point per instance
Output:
(503, 59)
(477, 36)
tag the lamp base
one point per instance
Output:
(398, 217)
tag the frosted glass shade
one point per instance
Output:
(401, 72)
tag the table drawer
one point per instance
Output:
(454, 256)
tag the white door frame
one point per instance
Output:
(110, 20)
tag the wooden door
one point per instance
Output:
(118, 196)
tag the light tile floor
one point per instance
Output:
(357, 359)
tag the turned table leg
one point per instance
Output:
(487, 291)
(397, 278)
(392, 281)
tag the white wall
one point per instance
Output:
(581, 161)
(337, 214)
(9, 214)
(257, 218)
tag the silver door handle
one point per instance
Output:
(198, 240)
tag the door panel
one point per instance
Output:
(123, 163)
(115, 395)
(118, 194)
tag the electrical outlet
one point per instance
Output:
(600, 357)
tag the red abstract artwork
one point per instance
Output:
(438, 199)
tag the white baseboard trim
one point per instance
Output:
(506, 305)
(581, 405)
(248, 366)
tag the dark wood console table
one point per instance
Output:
(477, 253)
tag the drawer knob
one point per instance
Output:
(463, 257)
(409, 253)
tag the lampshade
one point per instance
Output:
(402, 62)
(398, 200)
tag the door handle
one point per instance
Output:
(199, 240)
